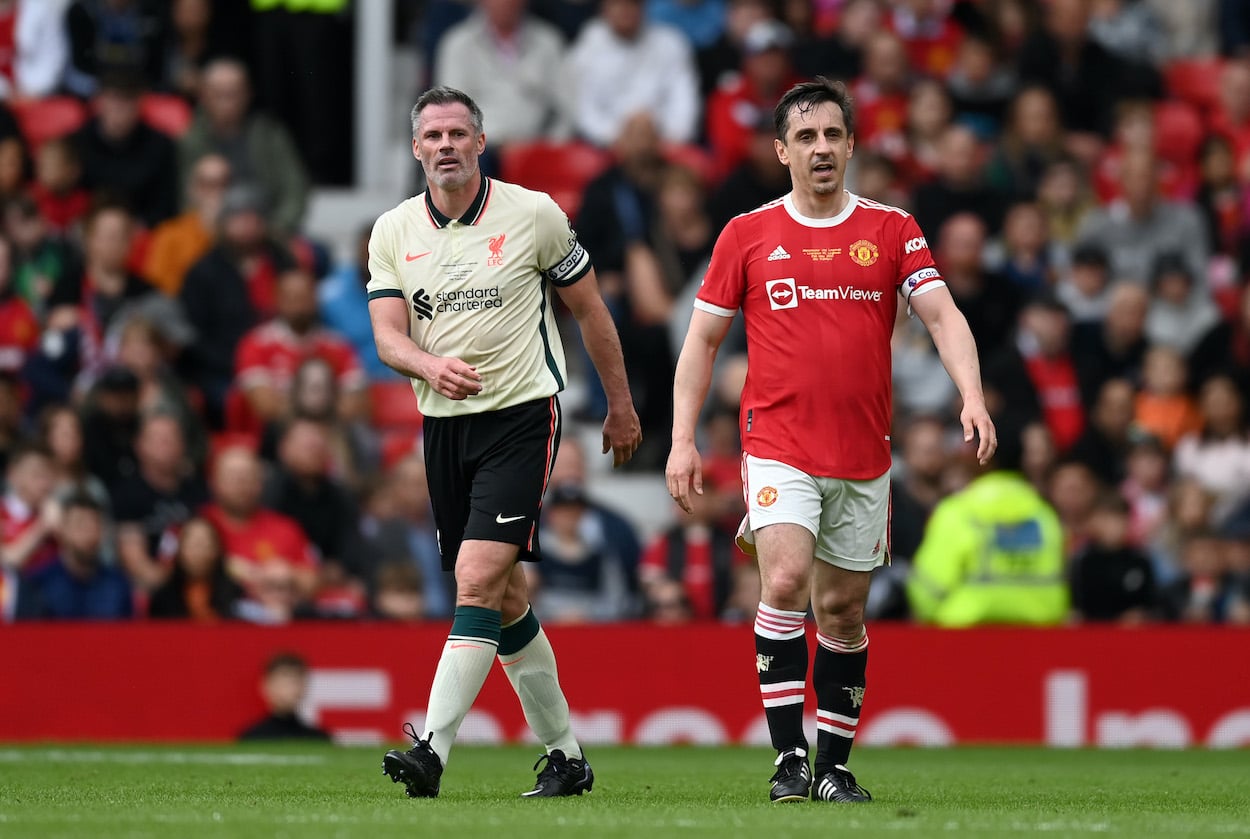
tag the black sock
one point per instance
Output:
(838, 675)
(781, 661)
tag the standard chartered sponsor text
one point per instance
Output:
(468, 300)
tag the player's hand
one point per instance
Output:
(684, 471)
(621, 434)
(452, 378)
(975, 418)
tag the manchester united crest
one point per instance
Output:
(864, 252)
(766, 497)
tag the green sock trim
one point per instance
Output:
(476, 622)
(514, 636)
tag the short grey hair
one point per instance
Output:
(443, 95)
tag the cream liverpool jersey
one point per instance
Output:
(479, 288)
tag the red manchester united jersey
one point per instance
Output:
(819, 297)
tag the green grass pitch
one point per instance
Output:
(309, 792)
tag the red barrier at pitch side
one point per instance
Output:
(1167, 687)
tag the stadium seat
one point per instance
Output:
(397, 445)
(45, 119)
(166, 113)
(694, 158)
(1195, 80)
(562, 170)
(1178, 131)
(394, 408)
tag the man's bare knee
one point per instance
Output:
(838, 602)
(785, 587)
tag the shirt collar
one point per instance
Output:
(471, 216)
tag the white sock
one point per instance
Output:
(462, 670)
(532, 672)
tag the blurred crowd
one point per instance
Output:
(194, 424)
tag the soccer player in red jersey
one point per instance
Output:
(817, 274)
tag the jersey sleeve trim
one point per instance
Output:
(385, 292)
(712, 308)
(575, 265)
(926, 288)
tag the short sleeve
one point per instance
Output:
(724, 284)
(917, 273)
(383, 277)
(561, 258)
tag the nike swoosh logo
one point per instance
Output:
(500, 518)
(413, 258)
(458, 646)
(514, 661)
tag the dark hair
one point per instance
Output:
(1169, 263)
(286, 661)
(26, 449)
(1091, 255)
(24, 205)
(443, 95)
(122, 79)
(82, 501)
(805, 96)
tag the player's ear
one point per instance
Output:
(416, 148)
(850, 146)
(781, 152)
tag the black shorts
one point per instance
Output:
(488, 472)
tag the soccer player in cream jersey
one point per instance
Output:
(460, 285)
(818, 275)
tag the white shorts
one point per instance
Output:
(850, 519)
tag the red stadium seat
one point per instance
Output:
(562, 170)
(394, 406)
(166, 113)
(1195, 80)
(45, 119)
(397, 445)
(1178, 131)
(694, 158)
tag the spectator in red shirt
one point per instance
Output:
(736, 106)
(698, 553)
(269, 354)
(932, 37)
(255, 537)
(58, 185)
(881, 92)
(1036, 377)
(301, 487)
(29, 516)
(1232, 116)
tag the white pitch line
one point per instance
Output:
(209, 758)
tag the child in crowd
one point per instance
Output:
(1163, 407)
(42, 262)
(29, 515)
(19, 328)
(1145, 488)
(1085, 287)
(1026, 255)
(1110, 579)
(1204, 591)
(57, 188)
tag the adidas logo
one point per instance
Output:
(778, 253)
